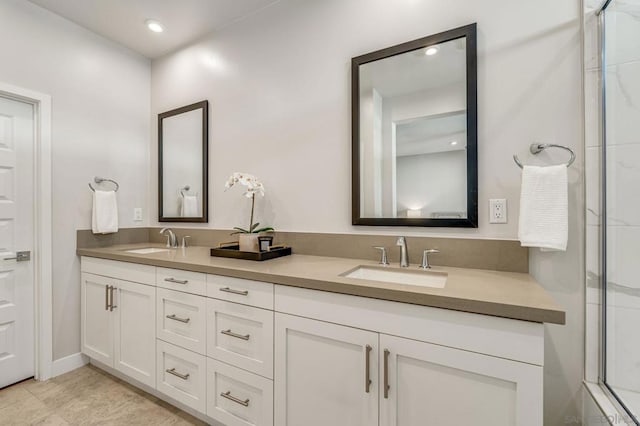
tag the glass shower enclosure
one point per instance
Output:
(620, 44)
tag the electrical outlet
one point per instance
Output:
(498, 210)
(137, 214)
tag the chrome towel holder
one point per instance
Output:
(537, 148)
(184, 189)
(99, 180)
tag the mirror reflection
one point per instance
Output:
(183, 164)
(413, 161)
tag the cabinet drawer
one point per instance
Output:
(238, 398)
(182, 375)
(254, 293)
(176, 279)
(181, 319)
(240, 335)
(134, 272)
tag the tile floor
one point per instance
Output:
(86, 396)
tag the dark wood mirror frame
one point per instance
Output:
(469, 32)
(204, 105)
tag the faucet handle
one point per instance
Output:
(425, 258)
(184, 241)
(383, 255)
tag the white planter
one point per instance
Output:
(248, 242)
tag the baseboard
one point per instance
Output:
(68, 363)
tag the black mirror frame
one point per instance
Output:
(204, 105)
(468, 31)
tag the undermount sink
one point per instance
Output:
(410, 277)
(147, 250)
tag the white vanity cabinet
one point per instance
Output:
(118, 325)
(249, 353)
(326, 374)
(425, 366)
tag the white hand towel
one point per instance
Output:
(105, 212)
(189, 206)
(544, 217)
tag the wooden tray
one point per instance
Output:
(235, 253)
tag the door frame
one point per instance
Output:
(42, 205)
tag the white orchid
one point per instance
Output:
(254, 186)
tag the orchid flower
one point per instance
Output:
(254, 186)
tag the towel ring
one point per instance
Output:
(99, 180)
(537, 148)
(184, 189)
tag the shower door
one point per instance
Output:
(621, 213)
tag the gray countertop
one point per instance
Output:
(503, 294)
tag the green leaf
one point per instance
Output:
(254, 226)
(265, 229)
(239, 231)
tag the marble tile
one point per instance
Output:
(52, 420)
(623, 369)
(623, 181)
(622, 101)
(623, 246)
(622, 25)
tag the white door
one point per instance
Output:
(96, 318)
(16, 234)
(321, 374)
(135, 331)
(435, 385)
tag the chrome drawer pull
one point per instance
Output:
(230, 290)
(173, 280)
(236, 335)
(175, 318)
(230, 397)
(367, 366)
(175, 373)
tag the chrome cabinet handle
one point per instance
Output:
(236, 335)
(230, 397)
(111, 305)
(367, 365)
(386, 374)
(230, 290)
(175, 373)
(175, 318)
(173, 280)
(106, 297)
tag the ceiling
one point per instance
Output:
(123, 21)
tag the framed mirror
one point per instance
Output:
(183, 136)
(414, 133)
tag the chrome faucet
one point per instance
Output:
(172, 240)
(404, 257)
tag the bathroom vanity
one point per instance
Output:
(294, 341)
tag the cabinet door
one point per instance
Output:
(135, 331)
(321, 372)
(436, 385)
(97, 319)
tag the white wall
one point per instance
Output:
(100, 98)
(279, 87)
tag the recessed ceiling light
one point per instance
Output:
(154, 26)
(431, 50)
(454, 143)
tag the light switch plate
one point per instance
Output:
(137, 214)
(497, 210)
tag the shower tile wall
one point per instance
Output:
(622, 70)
